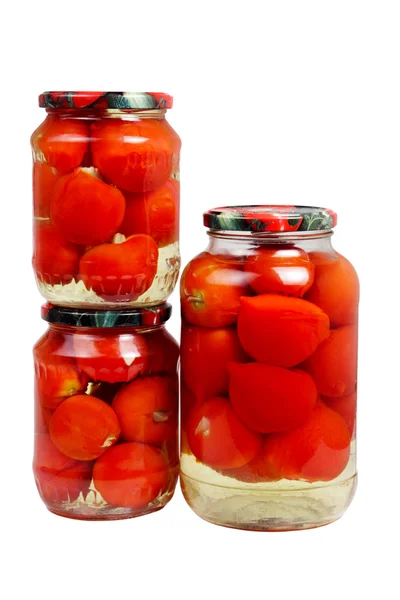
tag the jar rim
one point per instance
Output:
(132, 317)
(270, 218)
(104, 100)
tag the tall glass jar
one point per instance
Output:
(269, 370)
(106, 199)
(106, 412)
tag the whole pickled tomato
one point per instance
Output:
(211, 288)
(136, 156)
(131, 474)
(86, 210)
(270, 399)
(218, 438)
(120, 271)
(333, 365)
(281, 331)
(318, 450)
(335, 288)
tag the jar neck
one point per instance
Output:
(239, 242)
(104, 331)
(107, 113)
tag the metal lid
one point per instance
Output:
(264, 217)
(119, 100)
(134, 317)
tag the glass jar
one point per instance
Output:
(106, 199)
(106, 412)
(269, 371)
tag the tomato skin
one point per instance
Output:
(137, 166)
(279, 330)
(120, 272)
(206, 353)
(57, 374)
(346, 406)
(111, 357)
(256, 471)
(86, 210)
(269, 399)
(333, 365)
(280, 271)
(55, 260)
(45, 179)
(210, 290)
(335, 289)
(163, 354)
(218, 438)
(58, 478)
(131, 475)
(318, 450)
(83, 427)
(63, 142)
(147, 409)
(154, 213)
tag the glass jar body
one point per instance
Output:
(268, 381)
(106, 420)
(106, 207)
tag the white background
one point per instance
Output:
(276, 102)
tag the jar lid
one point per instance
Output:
(134, 317)
(121, 100)
(257, 218)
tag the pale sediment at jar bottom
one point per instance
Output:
(275, 506)
(93, 507)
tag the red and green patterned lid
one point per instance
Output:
(134, 317)
(118, 100)
(257, 218)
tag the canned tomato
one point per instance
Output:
(106, 412)
(106, 199)
(269, 370)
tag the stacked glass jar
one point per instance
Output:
(106, 256)
(269, 370)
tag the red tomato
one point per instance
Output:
(257, 470)
(335, 289)
(318, 450)
(42, 414)
(136, 156)
(120, 272)
(131, 475)
(346, 406)
(188, 401)
(83, 427)
(86, 210)
(57, 374)
(270, 398)
(211, 289)
(58, 478)
(44, 181)
(63, 142)
(155, 213)
(333, 365)
(205, 355)
(163, 353)
(280, 271)
(54, 259)
(281, 331)
(147, 410)
(218, 438)
(111, 357)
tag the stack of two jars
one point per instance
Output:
(106, 258)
